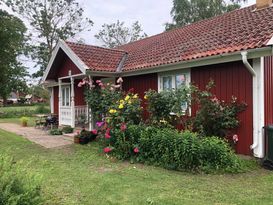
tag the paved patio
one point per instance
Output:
(38, 136)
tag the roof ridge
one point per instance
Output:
(84, 44)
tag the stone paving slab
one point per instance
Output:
(38, 136)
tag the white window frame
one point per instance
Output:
(173, 74)
(64, 98)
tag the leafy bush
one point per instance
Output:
(42, 109)
(186, 151)
(17, 187)
(67, 129)
(24, 120)
(55, 132)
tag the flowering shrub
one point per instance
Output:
(167, 106)
(215, 117)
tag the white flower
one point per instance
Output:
(119, 80)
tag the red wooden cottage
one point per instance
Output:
(234, 49)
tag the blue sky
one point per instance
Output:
(152, 14)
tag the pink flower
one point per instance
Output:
(235, 138)
(107, 149)
(123, 127)
(131, 90)
(119, 80)
(107, 136)
(108, 131)
(101, 84)
(99, 124)
(98, 81)
(136, 150)
(94, 132)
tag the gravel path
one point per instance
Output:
(38, 136)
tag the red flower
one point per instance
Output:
(107, 136)
(94, 132)
(107, 149)
(136, 150)
(123, 127)
(131, 90)
(108, 131)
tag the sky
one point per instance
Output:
(152, 15)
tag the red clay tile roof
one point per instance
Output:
(97, 58)
(234, 31)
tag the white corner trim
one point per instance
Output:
(68, 51)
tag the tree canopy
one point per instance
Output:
(50, 20)
(117, 34)
(13, 45)
(185, 12)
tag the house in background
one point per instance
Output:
(234, 49)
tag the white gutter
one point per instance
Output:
(255, 112)
(247, 64)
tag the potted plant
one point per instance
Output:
(24, 121)
(77, 139)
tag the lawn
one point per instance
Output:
(83, 175)
(16, 120)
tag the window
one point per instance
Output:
(174, 80)
(66, 96)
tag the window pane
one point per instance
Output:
(63, 97)
(180, 80)
(67, 97)
(167, 82)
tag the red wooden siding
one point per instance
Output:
(141, 84)
(66, 66)
(231, 79)
(268, 90)
(56, 100)
(79, 94)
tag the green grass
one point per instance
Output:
(17, 108)
(83, 175)
(31, 122)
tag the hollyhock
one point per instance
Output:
(123, 127)
(99, 124)
(107, 149)
(107, 136)
(108, 131)
(136, 150)
(94, 132)
(98, 81)
(235, 138)
(119, 80)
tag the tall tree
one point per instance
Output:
(189, 11)
(50, 20)
(116, 34)
(13, 45)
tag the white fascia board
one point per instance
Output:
(270, 42)
(68, 51)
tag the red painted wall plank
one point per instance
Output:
(66, 66)
(268, 89)
(230, 79)
(56, 100)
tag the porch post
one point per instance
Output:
(90, 117)
(72, 103)
(60, 99)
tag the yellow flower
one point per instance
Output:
(121, 106)
(135, 96)
(127, 97)
(121, 101)
(146, 97)
(129, 102)
(112, 111)
(163, 121)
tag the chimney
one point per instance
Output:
(262, 4)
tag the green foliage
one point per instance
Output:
(51, 20)
(215, 117)
(116, 34)
(17, 187)
(24, 119)
(55, 132)
(19, 111)
(13, 39)
(67, 129)
(42, 109)
(167, 106)
(39, 91)
(186, 151)
(185, 12)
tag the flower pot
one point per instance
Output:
(24, 124)
(76, 140)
